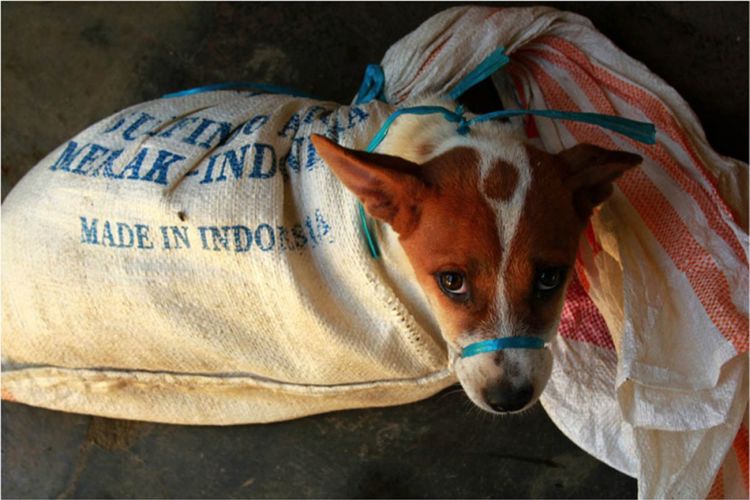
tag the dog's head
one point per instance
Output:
(491, 228)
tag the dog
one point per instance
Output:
(489, 226)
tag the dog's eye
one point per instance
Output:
(549, 279)
(453, 284)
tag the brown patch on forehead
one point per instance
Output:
(547, 236)
(501, 182)
(457, 231)
(425, 149)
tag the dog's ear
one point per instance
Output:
(590, 171)
(388, 186)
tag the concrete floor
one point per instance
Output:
(65, 66)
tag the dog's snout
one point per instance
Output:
(506, 398)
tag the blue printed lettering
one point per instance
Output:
(178, 125)
(205, 123)
(237, 238)
(107, 235)
(322, 226)
(180, 236)
(223, 130)
(332, 126)
(271, 240)
(204, 241)
(141, 233)
(165, 237)
(248, 128)
(134, 166)
(129, 133)
(94, 153)
(121, 231)
(311, 231)
(118, 122)
(255, 124)
(88, 232)
(160, 167)
(312, 156)
(292, 125)
(67, 157)
(122, 236)
(235, 133)
(243, 238)
(291, 160)
(209, 170)
(283, 238)
(300, 239)
(219, 238)
(178, 239)
(236, 164)
(357, 116)
(107, 164)
(258, 162)
(310, 114)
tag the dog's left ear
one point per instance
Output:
(388, 186)
(590, 172)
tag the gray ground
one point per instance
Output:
(66, 65)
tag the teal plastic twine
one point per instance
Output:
(373, 85)
(493, 62)
(500, 344)
(640, 131)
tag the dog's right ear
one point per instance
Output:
(388, 186)
(590, 171)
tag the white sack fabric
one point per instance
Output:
(650, 371)
(184, 261)
(187, 260)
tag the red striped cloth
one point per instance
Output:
(673, 233)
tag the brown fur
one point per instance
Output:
(457, 231)
(547, 236)
(501, 183)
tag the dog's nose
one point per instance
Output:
(504, 398)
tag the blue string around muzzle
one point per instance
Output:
(499, 344)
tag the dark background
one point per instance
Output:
(65, 66)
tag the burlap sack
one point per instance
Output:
(153, 270)
(192, 260)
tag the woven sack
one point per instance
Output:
(212, 288)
